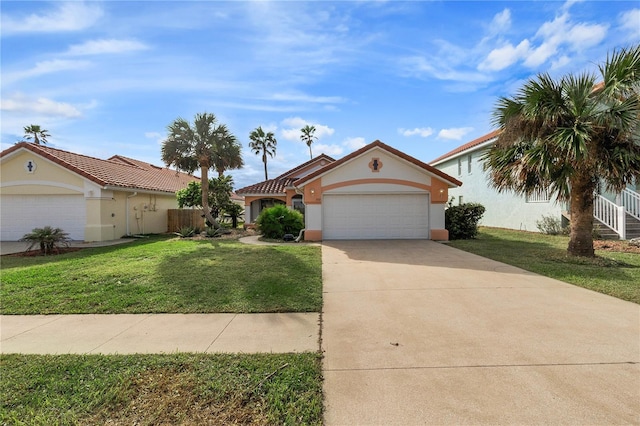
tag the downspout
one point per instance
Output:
(127, 210)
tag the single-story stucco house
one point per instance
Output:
(376, 192)
(514, 211)
(89, 198)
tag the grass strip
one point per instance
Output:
(614, 273)
(183, 388)
(165, 275)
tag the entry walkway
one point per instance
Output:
(419, 333)
(159, 333)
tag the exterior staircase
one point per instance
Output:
(619, 219)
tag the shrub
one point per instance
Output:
(462, 221)
(185, 232)
(48, 238)
(550, 225)
(278, 220)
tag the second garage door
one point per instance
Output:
(375, 216)
(22, 213)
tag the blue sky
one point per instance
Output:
(107, 77)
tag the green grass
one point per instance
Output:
(163, 274)
(161, 389)
(613, 273)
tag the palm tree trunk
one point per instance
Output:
(310, 154)
(581, 207)
(204, 173)
(264, 160)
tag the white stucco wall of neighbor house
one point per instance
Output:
(503, 210)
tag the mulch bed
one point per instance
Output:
(614, 245)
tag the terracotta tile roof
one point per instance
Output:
(279, 184)
(387, 148)
(117, 171)
(466, 146)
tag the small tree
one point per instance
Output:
(233, 210)
(307, 136)
(279, 220)
(48, 238)
(462, 221)
(219, 195)
(35, 132)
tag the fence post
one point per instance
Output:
(622, 222)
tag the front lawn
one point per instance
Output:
(165, 274)
(172, 389)
(613, 273)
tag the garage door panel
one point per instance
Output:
(375, 216)
(20, 214)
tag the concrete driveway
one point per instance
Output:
(416, 332)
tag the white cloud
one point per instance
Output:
(45, 67)
(353, 144)
(67, 16)
(20, 103)
(581, 36)
(454, 133)
(157, 137)
(99, 47)
(303, 97)
(294, 124)
(421, 131)
(630, 21)
(539, 55)
(441, 70)
(331, 150)
(504, 56)
(501, 22)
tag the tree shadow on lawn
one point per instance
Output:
(547, 259)
(221, 276)
(22, 259)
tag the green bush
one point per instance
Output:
(278, 220)
(48, 238)
(550, 225)
(186, 232)
(462, 221)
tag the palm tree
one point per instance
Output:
(569, 136)
(36, 133)
(227, 152)
(308, 137)
(263, 143)
(190, 147)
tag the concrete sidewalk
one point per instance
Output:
(159, 333)
(419, 333)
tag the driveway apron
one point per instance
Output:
(416, 332)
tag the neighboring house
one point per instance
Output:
(376, 192)
(509, 210)
(279, 190)
(89, 198)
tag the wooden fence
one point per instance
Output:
(179, 218)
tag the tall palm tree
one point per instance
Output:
(263, 143)
(227, 152)
(569, 136)
(35, 132)
(189, 147)
(308, 137)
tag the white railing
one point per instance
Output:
(612, 215)
(630, 200)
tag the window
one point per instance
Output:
(469, 163)
(539, 196)
(459, 166)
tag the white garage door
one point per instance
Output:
(375, 216)
(21, 213)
